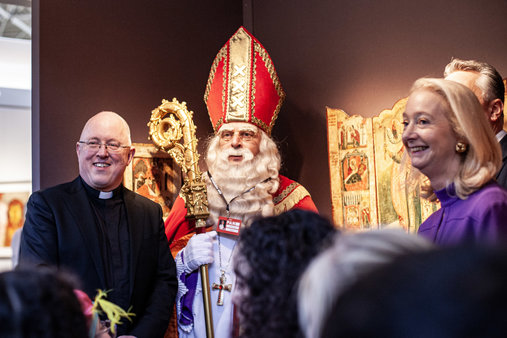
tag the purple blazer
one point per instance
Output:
(481, 218)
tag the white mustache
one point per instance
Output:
(246, 153)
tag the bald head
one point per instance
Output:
(103, 168)
(112, 121)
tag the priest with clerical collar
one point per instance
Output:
(110, 237)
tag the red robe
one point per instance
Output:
(290, 195)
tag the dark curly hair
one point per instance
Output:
(272, 254)
(39, 303)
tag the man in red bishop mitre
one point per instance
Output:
(243, 96)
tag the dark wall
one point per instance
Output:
(125, 56)
(362, 56)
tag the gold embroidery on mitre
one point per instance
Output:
(289, 197)
(218, 124)
(237, 103)
(276, 82)
(261, 124)
(239, 77)
(254, 89)
(222, 54)
(224, 89)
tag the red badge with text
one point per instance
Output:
(229, 226)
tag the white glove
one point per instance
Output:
(199, 251)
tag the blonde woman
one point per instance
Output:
(448, 139)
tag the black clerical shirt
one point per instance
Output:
(113, 236)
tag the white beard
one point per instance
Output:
(234, 179)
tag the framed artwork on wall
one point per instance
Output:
(368, 182)
(13, 199)
(12, 213)
(153, 174)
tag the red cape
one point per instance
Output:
(290, 195)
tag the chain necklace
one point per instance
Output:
(222, 286)
(223, 269)
(227, 204)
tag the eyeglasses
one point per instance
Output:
(95, 146)
(244, 135)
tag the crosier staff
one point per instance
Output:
(169, 124)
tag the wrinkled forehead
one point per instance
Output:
(238, 126)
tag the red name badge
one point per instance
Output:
(229, 226)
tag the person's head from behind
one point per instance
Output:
(447, 293)
(351, 256)
(486, 83)
(272, 253)
(39, 303)
(447, 138)
(104, 151)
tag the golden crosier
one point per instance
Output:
(169, 124)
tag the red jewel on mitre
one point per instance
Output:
(243, 85)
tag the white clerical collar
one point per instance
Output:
(105, 195)
(500, 135)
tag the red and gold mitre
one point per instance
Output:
(243, 85)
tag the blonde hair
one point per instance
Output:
(482, 159)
